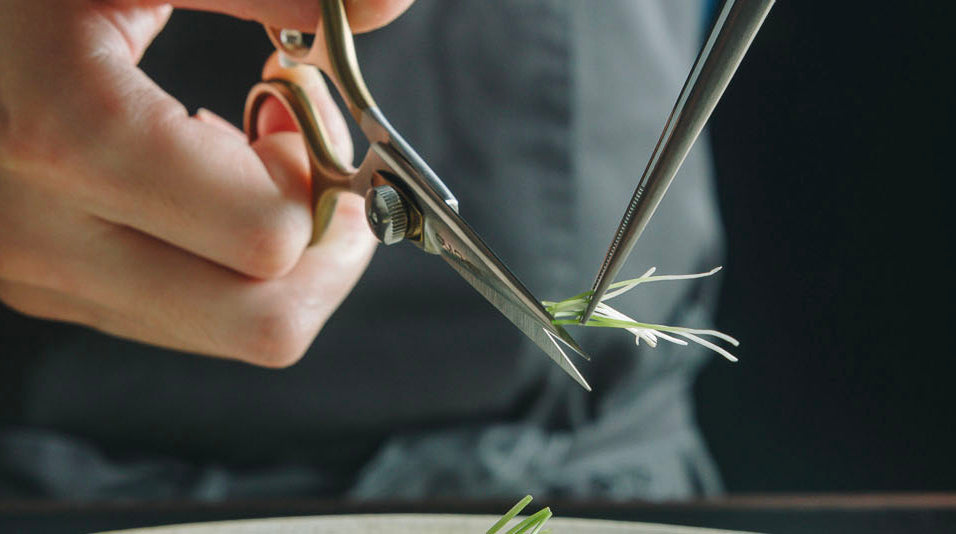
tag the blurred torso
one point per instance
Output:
(539, 116)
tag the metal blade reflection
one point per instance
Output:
(533, 321)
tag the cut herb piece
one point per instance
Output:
(569, 311)
(533, 523)
(515, 510)
(529, 525)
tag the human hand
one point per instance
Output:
(121, 212)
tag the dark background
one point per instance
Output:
(834, 158)
(831, 147)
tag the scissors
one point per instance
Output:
(734, 29)
(404, 199)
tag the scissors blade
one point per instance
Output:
(734, 29)
(445, 233)
(512, 302)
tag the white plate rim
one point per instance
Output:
(466, 523)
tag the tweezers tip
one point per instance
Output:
(589, 310)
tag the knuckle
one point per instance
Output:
(272, 246)
(277, 336)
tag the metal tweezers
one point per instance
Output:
(734, 29)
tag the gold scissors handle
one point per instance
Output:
(330, 175)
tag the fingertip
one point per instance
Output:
(273, 118)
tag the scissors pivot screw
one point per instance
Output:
(291, 39)
(387, 214)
